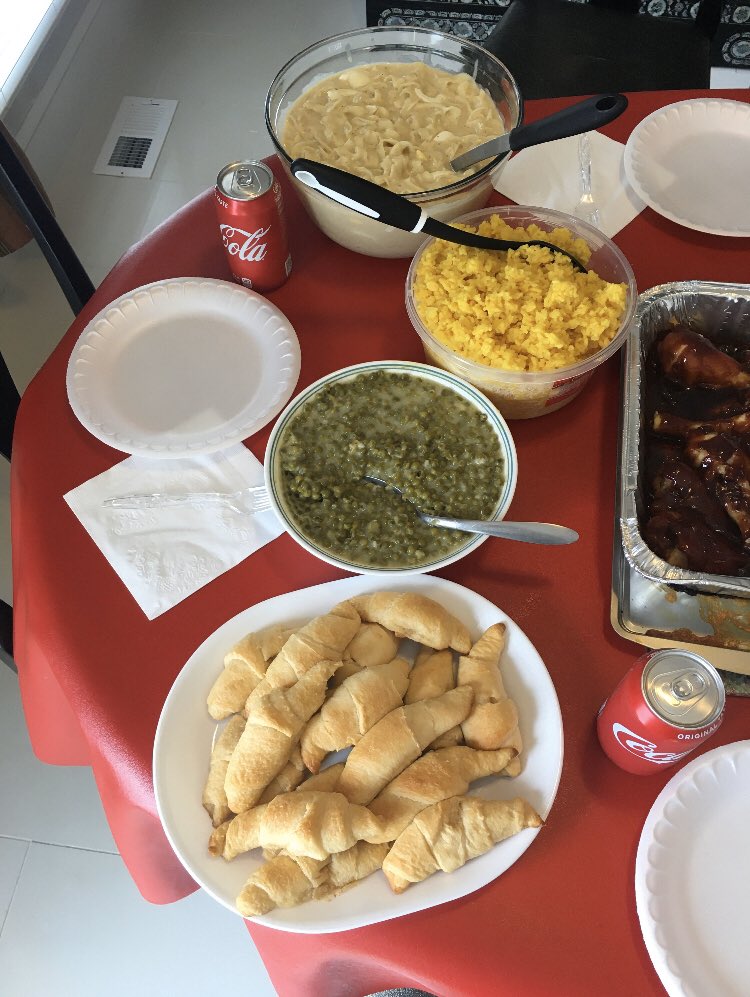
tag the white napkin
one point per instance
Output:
(165, 554)
(548, 176)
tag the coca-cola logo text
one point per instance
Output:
(246, 245)
(642, 748)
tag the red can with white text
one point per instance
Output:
(666, 705)
(252, 225)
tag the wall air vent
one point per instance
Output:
(136, 137)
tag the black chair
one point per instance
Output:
(559, 48)
(20, 191)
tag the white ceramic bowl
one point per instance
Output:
(392, 44)
(439, 377)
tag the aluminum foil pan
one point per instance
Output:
(709, 308)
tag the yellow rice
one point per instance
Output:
(526, 309)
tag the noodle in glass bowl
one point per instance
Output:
(373, 47)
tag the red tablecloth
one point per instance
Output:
(94, 671)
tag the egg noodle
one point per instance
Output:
(396, 124)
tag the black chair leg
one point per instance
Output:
(37, 215)
(9, 400)
(6, 635)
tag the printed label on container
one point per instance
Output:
(639, 746)
(568, 387)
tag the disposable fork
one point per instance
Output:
(245, 501)
(586, 209)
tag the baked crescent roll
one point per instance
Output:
(348, 667)
(349, 867)
(322, 639)
(372, 645)
(289, 880)
(214, 795)
(353, 709)
(314, 824)
(436, 776)
(244, 667)
(448, 834)
(273, 729)
(282, 881)
(324, 781)
(493, 721)
(272, 639)
(431, 676)
(288, 779)
(396, 740)
(413, 615)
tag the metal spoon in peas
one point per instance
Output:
(532, 533)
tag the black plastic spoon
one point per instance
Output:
(394, 209)
(585, 116)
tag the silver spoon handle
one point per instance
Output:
(532, 533)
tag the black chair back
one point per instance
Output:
(558, 48)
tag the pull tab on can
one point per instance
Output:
(683, 688)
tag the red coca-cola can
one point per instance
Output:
(252, 225)
(666, 705)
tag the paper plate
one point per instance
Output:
(691, 874)
(689, 161)
(183, 366)
(185, 734)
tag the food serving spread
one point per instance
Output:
(427, 440)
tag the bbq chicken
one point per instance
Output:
(698, 453)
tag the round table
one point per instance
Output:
(94, 672)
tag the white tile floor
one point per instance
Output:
(72, 923)
(71, 920)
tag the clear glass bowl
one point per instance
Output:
(521, 394)
(392, 44)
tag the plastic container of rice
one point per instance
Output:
(524, 327)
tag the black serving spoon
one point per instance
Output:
(394, 209)
(584, 116)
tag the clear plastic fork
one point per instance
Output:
(245, 501)
(586, 208)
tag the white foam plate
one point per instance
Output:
(692, 872)
(182, 366)
(185, 733)
(689, 161)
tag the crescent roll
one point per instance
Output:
(431, 676)
(372, 645)
(288, 779)
(445, 836)
(214, 795)
(413, 615)
(322, 639)
(289, 880)
(273, 729)
(313, 824)
(436, 776)
(282, 881)
(353, 709)
(396, 740)
(493, 721)
(244, 667)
